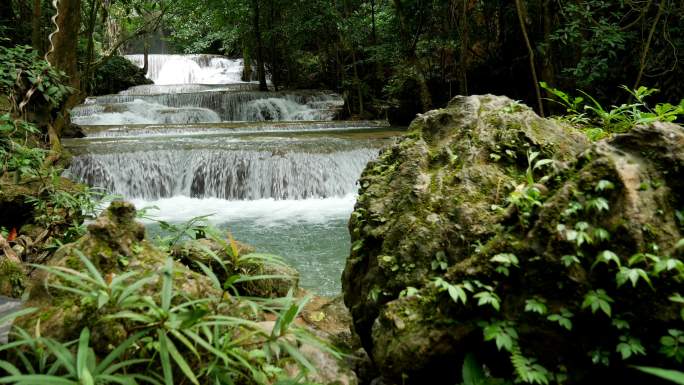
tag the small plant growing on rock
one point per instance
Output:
(599, 121)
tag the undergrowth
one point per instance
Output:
(599, 121)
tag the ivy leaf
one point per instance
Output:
(629, 346)
(502, 332)
(598, 299)
(631, 274)
(488, 298)
(606, 256)
(604, 185)
(568, 260)
(563, 319)
(457, 293)
(680, 244)
(536, 305)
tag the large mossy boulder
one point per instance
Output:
(117, 74)
(487, 226)
(115, 244)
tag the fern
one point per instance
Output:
(527, 369)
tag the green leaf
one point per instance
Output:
(472, 372)
(457, 294)
(167, 284)
(536, 305)
(563, 319)
(32, 379)
(488, 298)
(606, 256)
(505, 259)
(633, 275)
(180, 361)
(164, 357)
(666, 374)
(502, 332)
(102, 367)
(597, 299)
(20, 313)
(629, 346)
(604, 185)
(82, 352)
(680, 244)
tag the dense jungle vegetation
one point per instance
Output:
(381, 54)
(106, 304)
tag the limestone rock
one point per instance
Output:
(435, 205)
(279, 278)
(115, 243)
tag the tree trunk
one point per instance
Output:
(146, 55)
(246, 66)
(463, 62)
(548, 71)
(647, 46)
(90, 49)
(275, 65)
(530, 51)
(36, 35)
(261, 70)
(373, 28)
(63, 56)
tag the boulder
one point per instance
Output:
(467, 224)
(117, 74)
(116, 244)
(217, 254)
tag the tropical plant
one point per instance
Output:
(174, 337)
(599, 121)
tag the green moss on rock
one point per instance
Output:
(437, 201)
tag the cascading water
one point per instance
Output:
(237, 174)
(285, 187)
(190, 69)
(230, 105)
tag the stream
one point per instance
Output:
(273, 168)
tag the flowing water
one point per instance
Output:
(272, 168)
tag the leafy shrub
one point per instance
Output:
(173, 339)
(29, 80)
(15, 156)
(599, 121)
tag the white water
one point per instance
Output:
(152, 130)
(231, 105)
(234, 174)
(156, 89)
(262, 212)
(141, 112)
(273, 185)
(190, 69)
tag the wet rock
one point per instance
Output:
(12, 277)
(118, 74)
(436, 204)
(115, 243)
(278, 281)
(13, 206)
(217, 254)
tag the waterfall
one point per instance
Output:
(273, 168)
(240, 174)
(190, 69)
(141, 112)
(149, 130)
(229, 105)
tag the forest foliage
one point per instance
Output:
(396, 56)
